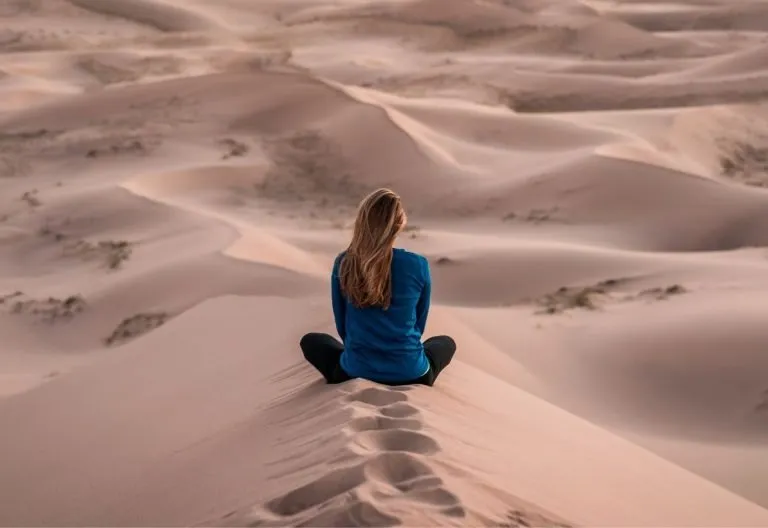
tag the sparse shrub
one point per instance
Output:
(567, 298)
(135, 326)
(746, 163)
(234, 148)
(50, 309)
(116, 252)
(31, 198)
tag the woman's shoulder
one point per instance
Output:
(337, 262)
(405, 256)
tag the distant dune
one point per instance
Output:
(587, 178)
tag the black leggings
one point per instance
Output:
(324, 352)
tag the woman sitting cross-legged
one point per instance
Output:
(380, 296)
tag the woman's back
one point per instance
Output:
(385, 343)
(380, 297)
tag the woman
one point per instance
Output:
(380, 297)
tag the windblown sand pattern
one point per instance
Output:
(588, 179)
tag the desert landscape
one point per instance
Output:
(588, 179)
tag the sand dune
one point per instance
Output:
(740, 63)
(387, 455)
(154, 13)
(706, 16)
(587, 179)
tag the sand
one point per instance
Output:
(588, 179)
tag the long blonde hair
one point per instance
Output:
(365, 270)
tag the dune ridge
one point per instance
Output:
(587, 179)
(156, 14)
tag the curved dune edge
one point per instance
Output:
(252, 244)
(412, 129)
(643, 152)
(155, 13)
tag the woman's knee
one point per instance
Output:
(446, 343)
(308, 342)
(318, 343)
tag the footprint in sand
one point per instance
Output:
(518, 518)
(377, 397)
(403, 388)
(409, 475)
(414, 481)
(375, 423)
(317, 492)
(399, 410)
(398, 468)
(358, 513)
(335, 493)
(399, 451)
(386, 451)
(396, 440)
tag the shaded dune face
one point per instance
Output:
(681, 374)
(587, 179)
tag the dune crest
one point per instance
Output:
(586, 178)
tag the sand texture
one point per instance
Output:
(589, 180)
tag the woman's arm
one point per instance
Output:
(422, 307)
(338, 301)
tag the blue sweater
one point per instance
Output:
(385, 345)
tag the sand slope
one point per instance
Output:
(256, 426)
(587, 179)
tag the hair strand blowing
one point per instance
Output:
(365, 271)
